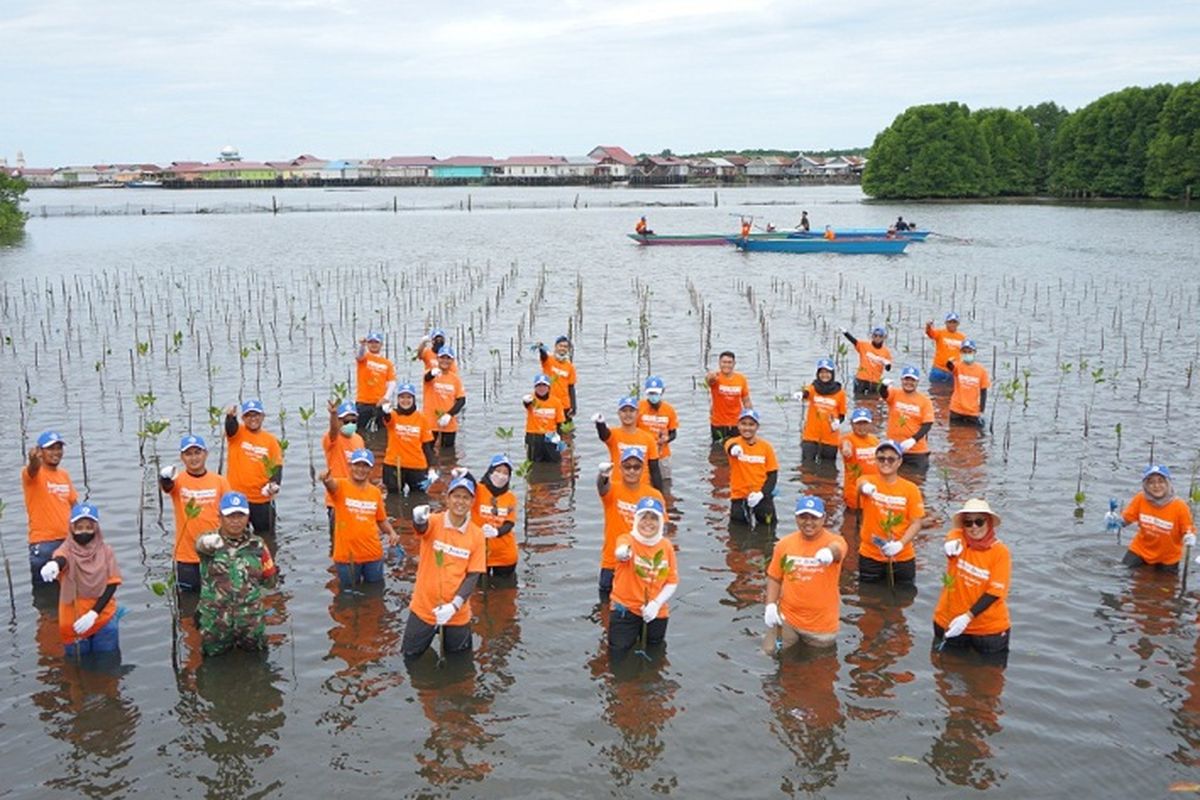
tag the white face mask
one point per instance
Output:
(654, 397)
(499, 479)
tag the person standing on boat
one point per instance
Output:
(644, 579)
(746, 226)
(901, 225)
(892, 509)
(660, 419)
(753, 473)
(86, 570)
(874, 358)
(803, 226)
(562, 374)
(629, 434)
(971, 383)
(444, 397)
(375, 380)
(729, 394)
(826, 410)
(1165, 525)
(255, 463)
(196, 496)
(620, 499)
(910, 415)
(947, 343)
(543, 417)
(49, 495)
(972, 612)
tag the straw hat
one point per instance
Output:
(976, 506)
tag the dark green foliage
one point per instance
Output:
(930, 151)
(1012, 143)
(1174, 152)
(1046, 118)
(12, 219)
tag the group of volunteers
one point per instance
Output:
(221, 520)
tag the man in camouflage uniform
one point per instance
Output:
(235, 566)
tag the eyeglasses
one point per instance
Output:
(886, 459)
(632, 467)
(980, 522)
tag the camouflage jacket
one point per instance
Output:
(232, 580)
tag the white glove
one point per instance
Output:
(436, 371)
(824, 556)
(270, 488)
(908, 444)
(867, 488)
(598, 418)
(754, 498)
(168, 472)
(798, 396)
(444, 420)
(85, 622)
(386, 408)
(835, 424)
(457, 472)
(953, 548)
(553, 438)
(50, 571)
(420, 515)
(1189, 539)
(490, 532)
(443, 613)
(842, 330)
(771, 615)
(210, 542)
(650, 610)
(886, 381)
(958, 625)
(1112, 519)
(892, 549)
(431, 475)
(736, 451)
(527, 399)
(606, 468)
(624, 552)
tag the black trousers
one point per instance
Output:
(722, 432)
(812, 452)
(865, 388)
(419, 635)
(764, 512)
(262, 518)
(539, 450)
(410, 478)
(625, 631)
(872, 571)
(369, 414)
(987, 645)
(966, 419)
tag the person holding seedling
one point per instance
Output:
(971, 384)
(947, 342)
(408, 462)
(340, 442)
(196, 496)
(660, 420)
(826, 410)
(874, 358)
(753, 473)
(86, 571)
(644, 579)
(803, 601)
(729, 393)
(620, 499)
(1164, 522)
(49, 495)
(858, 454)
(235, 567)
(910, 418)
(375, 379)
(972, 612)
(359, 517)
(430, 345)
(255, 463)
(444, 399)
(561, 371)
(544, 416)
(452, 558)
(627, 435)
(495, 512)
(892, 509)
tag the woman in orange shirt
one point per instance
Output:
(1164, 522)
(971, 384)
(644, 579)
(408, 461)
(495, 512)
(444, 399)
(544, 416)
(826, 410)
(910, 418)
(972, 612)
(874, 358)
(86, 569)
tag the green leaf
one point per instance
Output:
(159, 588)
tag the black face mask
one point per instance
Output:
(83, 539)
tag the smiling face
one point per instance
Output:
(648, 525)
(631, 471)
(862, 427)
(748, 428)
(458, 503)
(888, 461)
(952, 325)
(445, 363)
(824, 375)
(908, 384)
(406, 401)
(726, 364)
(542, 391)
(52, 456)
(627, 415)
(1156, 487)
(253, 420)
(374, 347)
(234, 525)
(976, 526)
(877, 340)
(562, 349)
(809, 525)
(360, 471)
(194, 459)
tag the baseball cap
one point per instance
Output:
(1156, 469)
(748, 413)
(234, 503)
(84, 511)
(909, 371)
(347, 409)
(825, 363)
(436, 332)
(633, 452)
(374, 336)
(626, 402)
(541, 378)
(563, 338)
(253, 407)
(462, 482)
(879, 330)
(654, 384)
(190, 441)
(446, 351)
(49, 438)
(861, 414)
(890, 444)
(968, 344)
(952, 317)
(810, 506)
(363, 456)
(406, 388)
(500, 460)
(649, 505)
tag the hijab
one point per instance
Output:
(90, 568)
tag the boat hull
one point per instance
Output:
(847, 246)
(861, 233)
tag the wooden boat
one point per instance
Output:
(859, 233)
(699, 239)
(864, 246)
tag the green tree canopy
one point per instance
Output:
(1174, 152)
(1046, 118)
(12, 218)
(930, 151)
(1012, 144)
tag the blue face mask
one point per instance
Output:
(349, 428)
(968, 358)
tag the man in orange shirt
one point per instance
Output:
(359, 518)
(971, 384)
(620, 499)
(910, 418)
(375, 381)
(947, 342)
(645, 578)
(660, 420)
(753, 473)
(874, 358)
(49, 495)
(892, 510)
(730, 393)
(561, 371)
(340, 441)
(1165, 525)
(544, 415)
(444, 399)
(409, 457)
(826, 410)
(803, 601)
(858, 454)
(972, 611)
(452, 558)
(196, 497)
(255, 463)
(628, 434)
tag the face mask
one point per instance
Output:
(968, 358)
(561, 357)
(83, 539)
(499, 479)
(349, 428)
(654, 398)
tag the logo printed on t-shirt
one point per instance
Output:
(727, 389)
(254, 450)
(61, 489)
(1156, 522)
(199, 495)
(975, 572)
(451, 550)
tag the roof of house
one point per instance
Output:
(410, 161)
(737, 161)
(617, 154)
(467, 161)
(532, 161)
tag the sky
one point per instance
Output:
(88, 82)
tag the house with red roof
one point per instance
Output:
(613, 162)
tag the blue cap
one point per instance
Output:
(500, 460)
(436, 332)
(192, 440)
(563, 338)
(626, 402)
(748, 413)
(346, 409)
(462, 482)
(651, 505)
(810, 506)
(890, 444)
(84, 511)
(861, 414)
(50, 437)
(406, 388)
(1156, 469)
(633, 452)
(909, 371)
(879, 330)
(253, 407)
(446, 351)
(363, 456)
(952, 317)
(542, 378)
(374, 336)
(968, 344)
(825, 363)
(654, 384)
(234, 503)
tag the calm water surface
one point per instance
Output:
(1101, 695)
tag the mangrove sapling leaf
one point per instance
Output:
(504, 433)
(567, 427)
(1080, 497)
(523, 468)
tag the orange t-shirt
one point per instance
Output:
(901, 502)
(439, 396)
(859, 464)
(357, 512)
(973, 574)
(619, 504)
(969, 381)
(809, 600)
(642, 439)
(203, 495)
(659, 422)
(1159, 537)
(49, 495)
(562, 377)
(67, 615)
(748, 472)
(462, 551)
(406, 433)
(374, 372)
(871, 361)
(337, 456)
(544, 416)
(495, 510)
(729, 396)
(823, 410)
(946, 346)
(906, 414)
(248, 452)
(633, 590)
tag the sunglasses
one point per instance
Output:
(886, 459)
(632, 466)
(980, 522)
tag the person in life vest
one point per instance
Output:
(972, 612)
(971, 384)
(544, 418)
(196, 497)
(1165, 525)
(746, 225)
(660, 419)
(803, 601)
(86, 570)
(829, 233)
(645, 578)
(255, 463)
(892, 509)
(729, 393)
(620, 499)
(627, 435)
(408, 462)
(858, 454)
(804, 225)
(49, 495)
(444, 398)
(642, 228)
(947, 342)
(910, 418)
(558, 366)
(359, 518)
(826, 409)
(874, 358)
(753, 473)
(375, 379)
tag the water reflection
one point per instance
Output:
(885, 640)
(808, 719)
(970, 689)
(639, 699)
(452, 703)
(1185, 719)
(362, 635)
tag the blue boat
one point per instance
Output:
(859, 233)
(848, 245)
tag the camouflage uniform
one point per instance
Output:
(231, 610)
